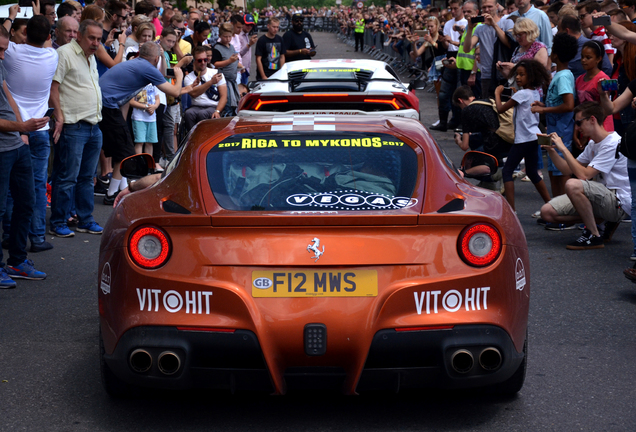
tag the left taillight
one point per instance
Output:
(479, 245)
(149, 247)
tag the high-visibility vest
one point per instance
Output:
(359, 26)
(465, 61)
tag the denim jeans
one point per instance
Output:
(78, 150)
(169, 120)
(40, 147)
(16, 175)
(450, 82)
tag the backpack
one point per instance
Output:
(506, 129)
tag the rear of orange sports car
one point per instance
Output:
(313, 252)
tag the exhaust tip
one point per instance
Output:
(140, 361)
(490, 359)
(462, 361)
(169, 363)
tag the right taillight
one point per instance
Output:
(479, 245)
(149, 247)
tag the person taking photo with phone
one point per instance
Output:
(209, 92)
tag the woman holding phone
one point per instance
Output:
(431, 51)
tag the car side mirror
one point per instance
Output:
(417, 85)
(476, 163)
(137, 166)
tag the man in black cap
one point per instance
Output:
(298, 43)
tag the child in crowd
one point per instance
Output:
(530, 75)
(226, 60)
(586, 85)
(559, 103)
(145, 33)
(144, 118)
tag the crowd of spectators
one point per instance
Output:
(114, 81)
(543, 65)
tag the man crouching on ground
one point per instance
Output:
(608, 197)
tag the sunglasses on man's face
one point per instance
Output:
(203, 60)
(578, 123)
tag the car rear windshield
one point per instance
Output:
(312, 171)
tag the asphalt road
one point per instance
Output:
(581, 370)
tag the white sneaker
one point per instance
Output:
(536, 214)
(436, 123)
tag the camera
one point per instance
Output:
(477, 19)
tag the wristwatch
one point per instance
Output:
(473, 72)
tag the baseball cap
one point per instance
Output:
(297, 17)
(248, 19)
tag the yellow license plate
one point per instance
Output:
(315, 283)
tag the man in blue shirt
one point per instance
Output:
(119, 85)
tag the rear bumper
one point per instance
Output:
(420, 359)
(396, 360)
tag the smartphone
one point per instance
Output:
(477, 19)
(446, 62)
(421, 33)
(117, 34)
(506, 94)
(169, 72)
(602, 21)
(544, 140)
(25, 3)
(609, 85)
(49, 112)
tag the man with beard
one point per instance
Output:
(298, 43)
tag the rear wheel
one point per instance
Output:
(512, 385)
(114, 386)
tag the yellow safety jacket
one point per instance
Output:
(359, 26)
(465, 61)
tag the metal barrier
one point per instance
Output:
(377, 45)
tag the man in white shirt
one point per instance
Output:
(450, 77)
(32, 97)
(209, 92)
(607, 198)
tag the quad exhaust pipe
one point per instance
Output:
(490, 359)
(140, 361)
(169, 363)
(462, 361)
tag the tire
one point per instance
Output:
(115, 387)
(513, 385)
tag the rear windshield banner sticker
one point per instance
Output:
(351, 200)
(263, 143)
